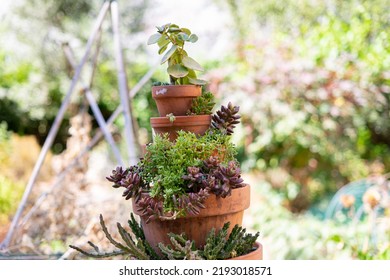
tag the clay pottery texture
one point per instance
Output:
(175, 99)
(197, 124)
(257, 254)
(218, 211)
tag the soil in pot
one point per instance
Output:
(175, 99)
(218, 211)
(197, 124)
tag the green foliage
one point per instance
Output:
(238, 243)
(181, 68)
(182, 249)
(165, 162)
(34, 74)
(305, 237)
(138, 249)
(318, 90)
(10, 190)
(10, 194)
(202, 105)
(219, 246)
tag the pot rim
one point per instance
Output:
(251, 255)
(161, 86)
(238, 201)
(176, 91)
(181, 121)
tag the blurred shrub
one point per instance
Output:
(10, 195)
(319, 95)
(34, 74)
(289, 236)
(10, 192)
(17, 159)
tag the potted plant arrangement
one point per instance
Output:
(187, 188)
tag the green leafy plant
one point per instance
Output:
(175, 178)
(202, 105)
(163, 174)
(181, 67)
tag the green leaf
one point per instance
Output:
(191, 63)
(186, 30)
(177, 71)
(162, 49)
(191, 74)
(193, 38)
(174, 29)
(168, 54)
(162, 28)
(183, 36)
(198, 82)
(154, 38)
(162, 41)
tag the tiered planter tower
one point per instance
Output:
(176, 100)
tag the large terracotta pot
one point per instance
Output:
(218, 211)
(197, 124)
(175, 99)
(257, 254)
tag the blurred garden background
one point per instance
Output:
(311, 77)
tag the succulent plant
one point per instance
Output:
(129, 179)
(134, 249)
(179, 176)
(219, 245)
(181, 68)
(150, 207)
(202, 105)
(189, 203)
(215, 177)
(181, 249)
(226, 118)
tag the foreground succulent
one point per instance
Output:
(219, 245)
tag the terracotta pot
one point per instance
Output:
(197, 124)
(175, 99)
(257, 254)
(218, 211)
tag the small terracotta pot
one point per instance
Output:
(197, 124)
(175, 99)
(218, 211)
(257, 254)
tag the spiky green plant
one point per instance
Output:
(181, 249)
(218, 245)
(131, 249)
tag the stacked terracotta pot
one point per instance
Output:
(177, 100)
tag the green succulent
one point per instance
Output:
(181, 68)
